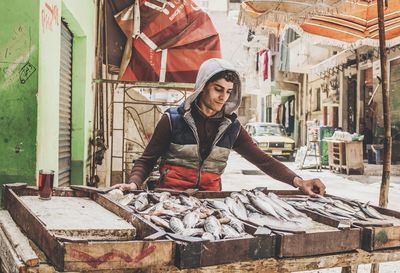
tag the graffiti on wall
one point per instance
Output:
(14, 57)
(49, 17)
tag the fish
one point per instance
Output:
(241, 196)
(207, 236)
(250, 208)
(237, 225)
(193, 232)
(264, 207)
(176, 225)
(159, 221)
(229, 232)
(284, 204)
(370, 211)
(141, 202)
(190, 219)
(213, 226)
(115, 194)
(170, 205)
(278, 224)
(200, 223)
(127, 199)
(164, 196)
(224, 220)
(186, 201)
(236, 207)
(344, 206)
(216, 204)
(278, 209)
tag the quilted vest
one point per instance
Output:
(182, 167)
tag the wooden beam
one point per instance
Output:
(288, 265)
(9, 260)
(18, 240)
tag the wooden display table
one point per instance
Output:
(346, 157)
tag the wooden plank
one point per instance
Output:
(18, 240)
(8, 257)
(90, 189)
(34, 228)
(307, 244)
(15, 186)
(65, 192)
(289, 265)
(386, 237)
(117, 255)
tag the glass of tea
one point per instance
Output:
(46, 178)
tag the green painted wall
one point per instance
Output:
(29, 86)
(18, 89)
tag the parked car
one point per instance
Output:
(271, 138)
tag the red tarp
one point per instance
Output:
(175, 38)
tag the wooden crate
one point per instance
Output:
(195, 252)
(328, 239)
(75, 251)
(382, 234)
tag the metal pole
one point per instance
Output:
(384, 191)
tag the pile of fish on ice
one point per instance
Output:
(214, 219)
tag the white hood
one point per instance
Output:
(208, 69)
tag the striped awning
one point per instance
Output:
(358, 25)
(274, 13)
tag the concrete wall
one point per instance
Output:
(29, 86)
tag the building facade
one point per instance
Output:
(46, 73)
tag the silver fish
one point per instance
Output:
(277, 208)
(236, 207)
(241, 196)
(164, 196)
(170, 205)
(218, 205)
(186, 201)
(200, 223)
(284, 205)
(236, 224)
(141, 202)
(229, 232)
(193, 232)
(190, 219)
(370, 211)
(207, 236)
(176, 225)
(344, 206)
(159, 221)
(127, 199)
(250, 208)
(264, 207)
(360, 215)
(213, 226)
(115, 194)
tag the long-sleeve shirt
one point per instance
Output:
(207, 128)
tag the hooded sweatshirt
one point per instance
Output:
(207, 130)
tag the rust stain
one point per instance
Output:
(96, 261)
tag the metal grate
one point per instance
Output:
(64, 152)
